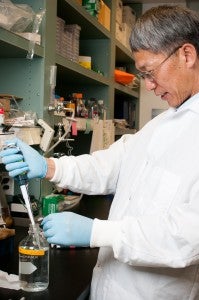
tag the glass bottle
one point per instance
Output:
(78, 103)
(34, 261)
(101, 110)
(94, 110)
(70, 103)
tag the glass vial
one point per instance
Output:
(34, 261)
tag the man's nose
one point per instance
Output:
(150, 84)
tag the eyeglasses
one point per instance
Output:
(150, 75)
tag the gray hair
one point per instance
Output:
(165, 28)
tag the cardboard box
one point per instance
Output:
(6, 115)
(104, 16)
(5, 100)
(5, 103)
(119, 8)
(128, 15)
(119, 33)
(126, 34)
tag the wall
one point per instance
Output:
(193, 5)
(148, 102)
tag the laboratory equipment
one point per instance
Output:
(67, 123)
(47, 136)
(22, 180)
(34, 261)
(53, 75)
(34, 249)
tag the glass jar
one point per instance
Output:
(34, 261)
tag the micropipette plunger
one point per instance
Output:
(22, 180)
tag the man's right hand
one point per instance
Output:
(23, 158)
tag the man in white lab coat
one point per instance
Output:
(149, 246)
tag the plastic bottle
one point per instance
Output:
(34, 261)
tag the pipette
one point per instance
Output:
(22, 180)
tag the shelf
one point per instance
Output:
(123, 54)
(30, 79)
(72, 72)
(125, 90)
(15, 46)
(73, 13)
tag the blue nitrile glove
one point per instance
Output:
(67, 229)
(23, 158)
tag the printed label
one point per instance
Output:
(27, 268)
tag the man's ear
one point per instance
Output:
(189, 54)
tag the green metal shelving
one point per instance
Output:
(30, 79)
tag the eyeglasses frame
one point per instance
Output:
(149, 75)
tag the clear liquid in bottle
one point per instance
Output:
(34, 261)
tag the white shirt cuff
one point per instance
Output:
(104, 233)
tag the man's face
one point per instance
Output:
(166, 75)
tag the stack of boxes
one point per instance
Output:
(119, 29)
(60, 24)
(128, 20)
(125, 20)
(67, 40)
(73, 33)
(67, 36)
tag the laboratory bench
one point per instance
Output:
(70, 268)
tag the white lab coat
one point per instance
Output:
(153, 228)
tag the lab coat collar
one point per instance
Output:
(191, 104)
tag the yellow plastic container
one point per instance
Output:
(85, 61)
